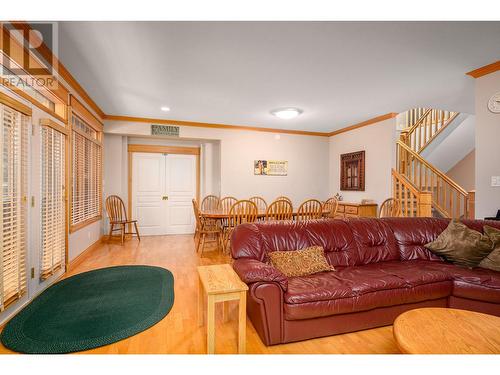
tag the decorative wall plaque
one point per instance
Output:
(168, 130)
(270, 167)
(352, 171)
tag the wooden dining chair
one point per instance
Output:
(117, 215)
(243, 211)
(205, 228)
(226, 203)
(282, 197)
(310, 209)
(390, 208)
(210, 202)
(259, 202)
(330, 206)
(279, 210)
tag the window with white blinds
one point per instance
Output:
(86, 173)
(53, 213)
(13, 210)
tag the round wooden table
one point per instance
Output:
(447, 331)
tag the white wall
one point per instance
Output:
(487, 146)
(378, 141)
(307, 157)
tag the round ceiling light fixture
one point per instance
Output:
(286, 113)
(165, 109)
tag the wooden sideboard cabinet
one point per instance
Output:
(349, 209)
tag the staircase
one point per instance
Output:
(421, 189)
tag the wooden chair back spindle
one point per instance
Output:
(259, 202)
(309, 210)
(115, 209)
(280, 209)
(226, 203)
(390, 208)
(243, 211)
(331, 205)
(210, 202)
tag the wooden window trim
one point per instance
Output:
(15, 104)
(54, 125)
(76, 227)
(85, 114)
(83, 224)
(67, 157)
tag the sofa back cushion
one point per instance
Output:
(258, 239)
(375, 240)
(412, 234)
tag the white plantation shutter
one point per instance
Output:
(13, 210)
(53, 211)
(86, 172)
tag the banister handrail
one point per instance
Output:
(417, 123)
(447, 179)
(452, 117)
(406, 181)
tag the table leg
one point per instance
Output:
(211, 325)
(242, 323)
(225, 311)
(201, 303)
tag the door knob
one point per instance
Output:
(165, 198)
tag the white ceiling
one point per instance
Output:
(339, 73)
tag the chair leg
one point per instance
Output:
(137, 232)
(123, 233)
(202, 244)
(111, 226)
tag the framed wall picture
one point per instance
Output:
(270, 167)
(352, 171)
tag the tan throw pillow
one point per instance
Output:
(492, 261)
(461, 245)
(300, 262)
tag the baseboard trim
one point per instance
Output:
(82, 256)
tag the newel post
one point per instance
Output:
(424, 204)
(471, 204)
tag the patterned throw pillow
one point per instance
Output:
(492, 261)
(300, 262)
(461, 245)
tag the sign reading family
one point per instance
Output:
(270, 167)
(168, 130)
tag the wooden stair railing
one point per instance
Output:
(448, 198)
(412, 202)
(426, 128)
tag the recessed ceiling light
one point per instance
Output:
(165, 109)
(286, 113)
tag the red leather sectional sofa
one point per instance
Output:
(382, 270)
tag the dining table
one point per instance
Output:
(220, 214)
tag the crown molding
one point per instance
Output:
(249, 128)
(371, 121)
(484, 70)
(61, 69)
(212, 125)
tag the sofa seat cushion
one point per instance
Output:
(345, 282)
(477, 283)
(368, 301)
(362, 288)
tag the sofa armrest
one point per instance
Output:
(252, 270)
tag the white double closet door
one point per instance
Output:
(163, 186)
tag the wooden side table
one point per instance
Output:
(220, 283)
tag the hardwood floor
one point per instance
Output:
(178, 332)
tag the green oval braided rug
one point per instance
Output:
(92, 309)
